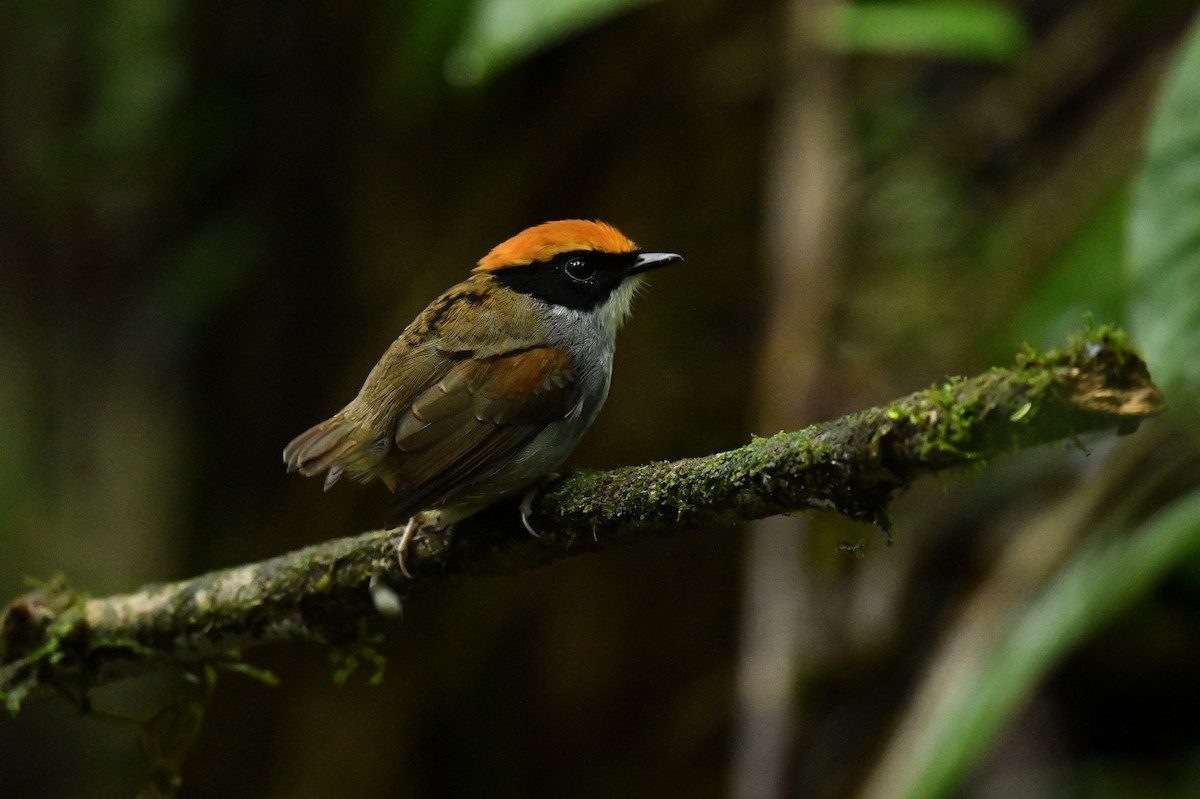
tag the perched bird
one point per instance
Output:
(492, 386)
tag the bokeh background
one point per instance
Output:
(215, 216)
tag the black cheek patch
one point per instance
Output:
(548, 281)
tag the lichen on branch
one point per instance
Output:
(854, 465)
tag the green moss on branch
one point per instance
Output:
(854, 465)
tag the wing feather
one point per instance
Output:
(472, 422)
(451, 402)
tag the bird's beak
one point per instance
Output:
(646, 261)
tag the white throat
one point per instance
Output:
(613, 312)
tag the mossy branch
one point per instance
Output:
(854, 465)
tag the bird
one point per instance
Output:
(493, 385)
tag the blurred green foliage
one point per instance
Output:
(1164, 247)
(1117, 569)
(1087, 281)
(967, 29)
(1123, 562)
(215, 216)
(499, 33)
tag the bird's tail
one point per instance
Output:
(333, 446)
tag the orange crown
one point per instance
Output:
(543, 242)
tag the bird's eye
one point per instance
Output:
(579, 270)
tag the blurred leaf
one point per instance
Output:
(1164, 236)
(973, 30)
(139, 73)
(502, 32)
(261, 675)
(1113, 573)
(432, 29)
(1087, 280)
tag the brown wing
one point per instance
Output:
(356, 441)
(473, 421)
(467, 341)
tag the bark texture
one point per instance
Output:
(855, 465)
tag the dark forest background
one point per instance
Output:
(215, 216)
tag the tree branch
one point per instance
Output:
(854, 465)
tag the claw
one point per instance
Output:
(402, 545)
(527, 510)
(332, 477)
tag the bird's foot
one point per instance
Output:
(527, 510)
(426, 521)
(402, 546)
(527, 502)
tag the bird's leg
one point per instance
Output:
(402, 545)
(527, 510)
(527, 501)
(425, 521)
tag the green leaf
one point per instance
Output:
(264, 676)
(1164, 235)
(944, 28)
(431, 28)
(502, 32)
(363, 650)
(1086, 280)
(139, 72)
(1112, 574)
